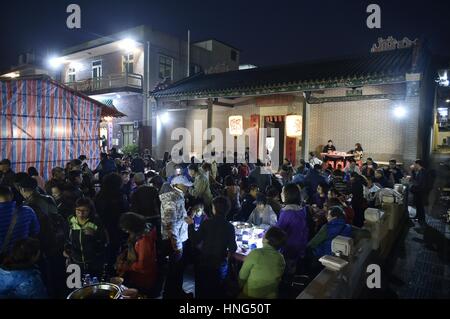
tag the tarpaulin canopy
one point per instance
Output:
(45, 124)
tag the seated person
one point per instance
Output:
(321, 243)
(248, 202)
(393, 173)
(19, 275)
(137, 263)
(321, 196)
(263, 268)
(348, 210)
(313, 159)
(263, 215)
(352, 167)
(369, 168)
(370, 191)
(380, 179)
(329, 147)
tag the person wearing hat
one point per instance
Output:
(263, 215)
(6, 174)
(174, 232)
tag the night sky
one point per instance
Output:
(267, 32)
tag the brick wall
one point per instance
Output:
(370, 123)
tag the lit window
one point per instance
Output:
(127, 134)
(128, 63)
(165, 67)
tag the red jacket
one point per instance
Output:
(143, 272)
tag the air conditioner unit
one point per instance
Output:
(136, 124)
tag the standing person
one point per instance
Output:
(6, 173)
(294, 222)
(259, 177)
(232, 192)
(110, 204)
(32, 171)
(359, 204)
(419, 189)
(114, 155)
(174, 231)
(263, 268)
(137, 263)
(313, 179)
(393, 173)
(58, 177)
(273, 199)
(127, 184)
(358, 152)
(145, 201)
(105, 167)
(87, 238)
(201, 187)
(217, 239)
(137, 164)
(15, 222)
(19, 276)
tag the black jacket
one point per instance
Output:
(215, 238)
(86, 243)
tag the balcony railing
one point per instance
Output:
(113, 81)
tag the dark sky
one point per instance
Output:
(267, 32)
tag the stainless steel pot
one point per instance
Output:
(97, 291)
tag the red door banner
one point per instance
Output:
(291, 149)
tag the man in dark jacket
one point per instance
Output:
(259, 177)
(145, 201)
(137, 164)
(6, 174)
(419, 189)
(217, 239)
(248, 203)
(105, 167)
(313, 179)
(53, 232)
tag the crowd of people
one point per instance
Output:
(146, 220)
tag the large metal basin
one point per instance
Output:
(98, 291)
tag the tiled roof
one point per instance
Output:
(382, 67)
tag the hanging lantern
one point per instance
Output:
(236, 125)
(294, 125)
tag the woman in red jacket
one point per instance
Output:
(137, 264)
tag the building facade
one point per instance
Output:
(383, 100)
(123, 68)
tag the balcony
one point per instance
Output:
(108, 84)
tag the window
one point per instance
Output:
(128, 63)
(233, 55)
(97, 69)
(71, 74)
(127, 134)
(165, 67)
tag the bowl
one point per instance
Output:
(97, 291)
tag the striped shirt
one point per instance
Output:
(27, 223)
